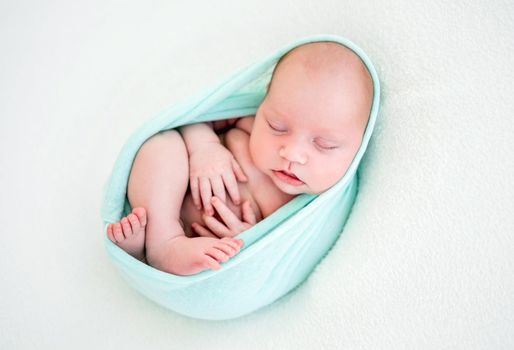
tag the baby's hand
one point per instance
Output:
(211, 169)
(231, 225)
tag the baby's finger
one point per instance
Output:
(218, 188)
(205, 192)
(232, 187)
(229, 218)
(193, 183)
(202, 231)
(215, 226)
(241, 176)
(248, 214)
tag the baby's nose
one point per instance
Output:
(293, 154)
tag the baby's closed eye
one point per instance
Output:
(325, 146)
(275, 128)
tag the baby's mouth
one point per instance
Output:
(289, 174)
(288, 177)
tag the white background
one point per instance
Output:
(427, 258)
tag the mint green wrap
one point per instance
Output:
(280, 251)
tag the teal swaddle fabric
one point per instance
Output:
(281, 250)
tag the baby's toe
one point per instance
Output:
(235, 243)
(110, 234)
(134, 223)
(217, 254)
(227, 248)
(117, 232)
(141, 215)
(125, 225)
(211, 263)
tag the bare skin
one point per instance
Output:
(238, 185)
(129, 233)
(156, 191)
(205, 252)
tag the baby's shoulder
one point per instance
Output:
(245, 123)
(237, 141)
(238, 138)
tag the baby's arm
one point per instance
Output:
(211, 166)
(197, 135)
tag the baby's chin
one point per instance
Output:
(305, 189)
(302, 189)
(291, 191)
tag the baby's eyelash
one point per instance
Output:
(327, 148)
(272, 128)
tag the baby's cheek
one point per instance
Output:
(255, 152)
(326, 176)
(338, 173)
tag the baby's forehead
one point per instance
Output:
(323, 56)
(327, 63)
(333, 71)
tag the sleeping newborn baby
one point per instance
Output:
(194, 189)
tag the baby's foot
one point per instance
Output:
(129, 233)
(182, 255)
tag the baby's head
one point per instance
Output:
(313, 117)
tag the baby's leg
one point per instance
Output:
(158, 182)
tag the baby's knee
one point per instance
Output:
(171, 135)
(170, 139)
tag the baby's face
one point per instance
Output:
(309, 126)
